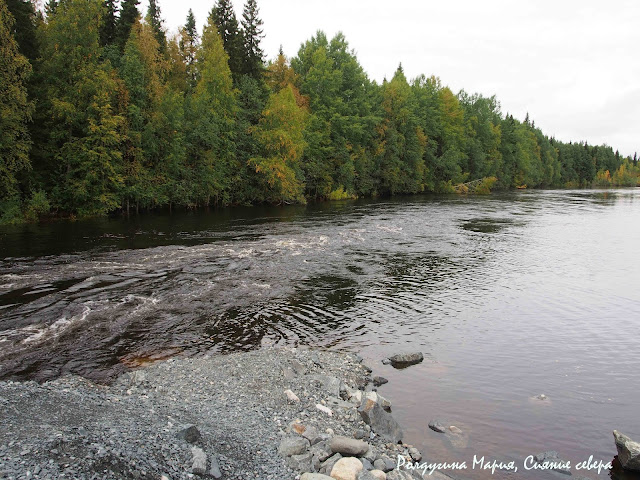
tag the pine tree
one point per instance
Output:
(224, 18)
(129, 15)
(15, 108)
(253, 56)
(154, 19)
(109, 23)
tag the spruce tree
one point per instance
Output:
(252, 35)
(109, 22)
(188, 48)
(154, 19)
(24, 27)
(128, 16)
(15, 108)
(224, 19)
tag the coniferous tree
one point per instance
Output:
(128, 16)
(24, 27)
(50, 8)
(154, 19)
(15, 109)
(84, 131)
(252, 33)
(109, 22)
(211, 111)
(189, 47)
(224, 18)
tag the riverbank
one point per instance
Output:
(240, 415)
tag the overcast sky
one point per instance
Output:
(574, 65)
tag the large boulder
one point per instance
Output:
(380, 421)
(346, 469)
(628, 451)
(348, 447)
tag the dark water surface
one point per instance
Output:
(509, 296)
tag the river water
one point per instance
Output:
(509, 296)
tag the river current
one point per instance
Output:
(509, 296)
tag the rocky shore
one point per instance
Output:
(270, 414)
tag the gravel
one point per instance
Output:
(140, 426)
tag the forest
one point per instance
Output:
(102, 112)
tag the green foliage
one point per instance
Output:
(281, 134)
(15, 109)
(127, 118)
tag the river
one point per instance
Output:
(509, 296)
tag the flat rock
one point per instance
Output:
(348, 446)
(401, 360)
(214, 470)
(190, 434)
(628, 451)
(381, 422)
(346, 469)
(314, 476)
(293, 446)
(198, 461)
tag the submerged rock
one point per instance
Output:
(402, 360)
(437, 426)
(628, 451)
(552, 457)
(377, 381)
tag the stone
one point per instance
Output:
(562, 466)
(628, 451)
(370, 455)
(365, 475)
(321, 451)
(385, 464)
(381, 422)
(297, 367)
(314, 476)
(337, 403)
(214, 470)
(366, 464)
(190, 434)
(300, 463)
(324, 409)
(454, 429)
(328, 464)
(291, 397)
(359, 434)
(328, 383)
(386, 361)
(311, 434)
(401, 360)
(377, 381)
(378, 474)
(415, 454)
(293, 446)
(348, 446)
(376, 397)
(346, 469)
(436, 426)
(198, 461)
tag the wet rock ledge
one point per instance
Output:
(270, 414)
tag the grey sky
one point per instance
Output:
(573, 65)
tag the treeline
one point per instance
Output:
(102, 112)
